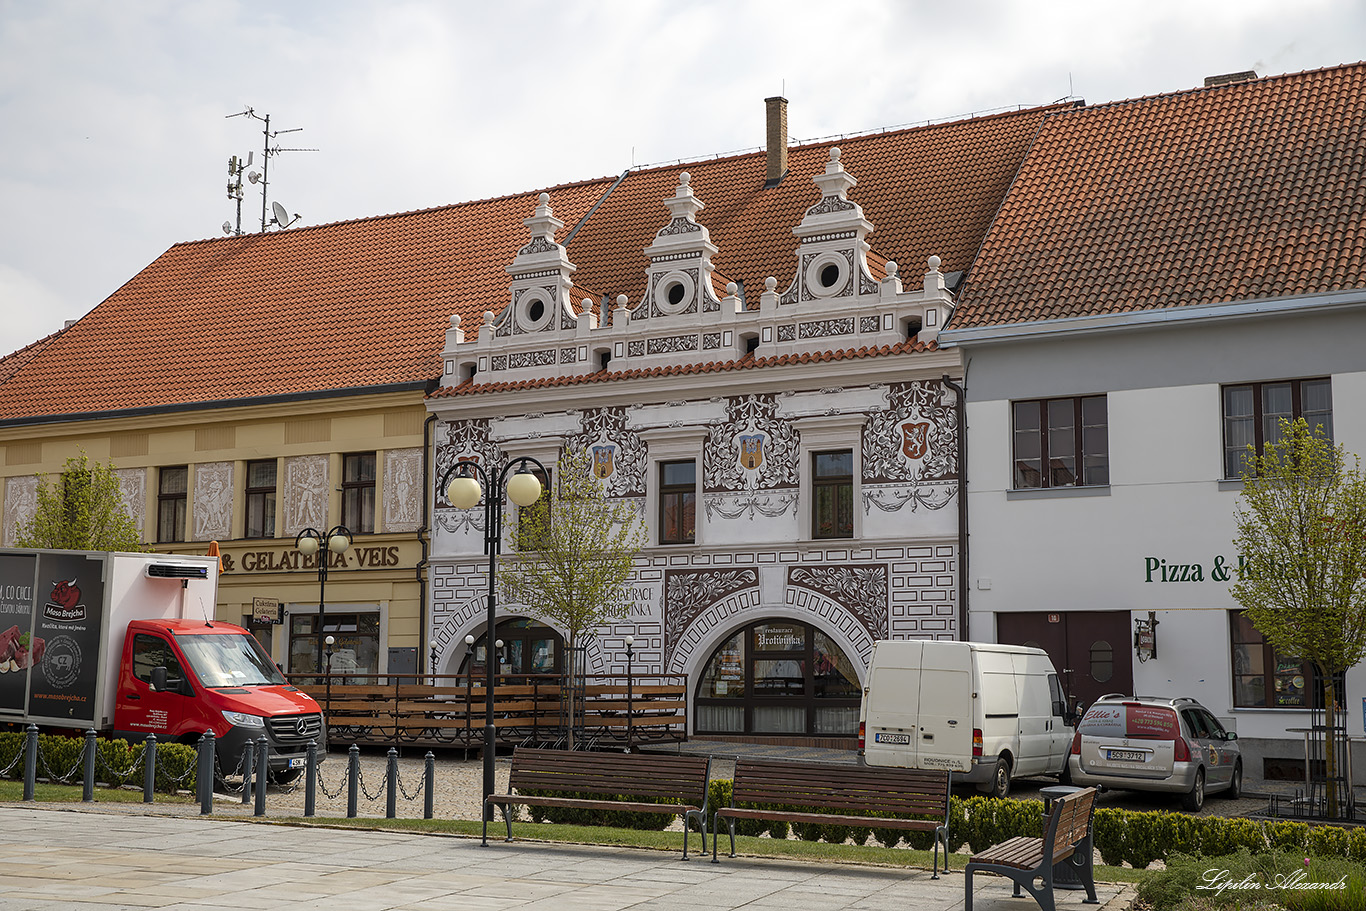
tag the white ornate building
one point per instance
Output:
(793, 456)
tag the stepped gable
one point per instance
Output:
(1235, 192)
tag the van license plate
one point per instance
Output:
(297, 763)
(892, 738)
(1126, 756)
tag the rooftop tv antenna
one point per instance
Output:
(236, 168)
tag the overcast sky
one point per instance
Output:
(114, 134)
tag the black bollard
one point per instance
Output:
(352, 780)
(262, 773)
(204, 773)
(149, 767)
(248, 770)
(429, 785)
(30, 760)
(391, 785)
(88, 760)
(311, 779)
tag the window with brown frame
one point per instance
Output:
(1253, 413)
(358, 492)
(678, 502)
(172, 489)
(1061, 442)
(1262, 676)
(832, 490)
(260, 505)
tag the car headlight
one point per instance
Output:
(241, 719)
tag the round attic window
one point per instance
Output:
(533, 311)
(827, 275)
(675, 293)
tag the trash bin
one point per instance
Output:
(1065, 874)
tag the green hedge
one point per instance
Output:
(117, 762)
(1122, 836)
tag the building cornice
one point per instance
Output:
(632, 391)
(1196, 314)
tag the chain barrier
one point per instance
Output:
(404, 791)
(18, 758)
(183, 776)
(360, 778)
(341, 785)
(229, 787)
(114, 774)
(59, 779)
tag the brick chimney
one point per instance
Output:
(777, 140)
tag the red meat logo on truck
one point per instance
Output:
(64, 604)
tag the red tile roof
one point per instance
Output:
(1243, 191)
(364, 304)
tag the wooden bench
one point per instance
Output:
(681, 782)
(807, 792)
(1025, 860)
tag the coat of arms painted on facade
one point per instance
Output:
(603, 461)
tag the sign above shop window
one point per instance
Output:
(267, 611)
(1145, 636)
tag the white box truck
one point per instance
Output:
(987, 712)
(126, 644)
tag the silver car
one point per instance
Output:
(1143, 743)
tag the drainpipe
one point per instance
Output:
(423, 635)
(960, 411)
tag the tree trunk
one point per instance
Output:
(571, 680)
(1330, 744)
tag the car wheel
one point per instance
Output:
(1235, 784)
(1194, 799)
(999, 783)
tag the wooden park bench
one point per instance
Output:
(1025, 860)
(843, 795)
(679, 782)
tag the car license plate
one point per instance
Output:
(891, 738)
(1126, 755)
(297, 763)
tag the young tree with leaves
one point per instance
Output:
(81, 509)
(1302, 542)
(574, 551)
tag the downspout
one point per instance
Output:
(422, 649)
(960, 411)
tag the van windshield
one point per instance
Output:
(229, 659)
(1136, 722)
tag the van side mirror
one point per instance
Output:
(158, 679)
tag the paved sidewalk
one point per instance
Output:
(63, 859)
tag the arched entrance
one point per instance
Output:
(778, 677)
(529, 647)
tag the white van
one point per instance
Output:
(988, 712)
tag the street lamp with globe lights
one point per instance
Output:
(465, 484)
(309, 542)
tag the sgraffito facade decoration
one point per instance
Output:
(212, 501)
(744, 547)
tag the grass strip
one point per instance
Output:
(13, 791)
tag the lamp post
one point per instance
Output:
(310, 541)
(465, 483)
(330, 642)
(431, 644)
(630, 707)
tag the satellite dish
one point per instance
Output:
(281, 216)
(227, 227)
(254, 176)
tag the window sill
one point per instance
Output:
(1231, 484)
(1051, 493)
(1269, 709)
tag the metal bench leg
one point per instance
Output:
(967, 886)
(507, 818)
